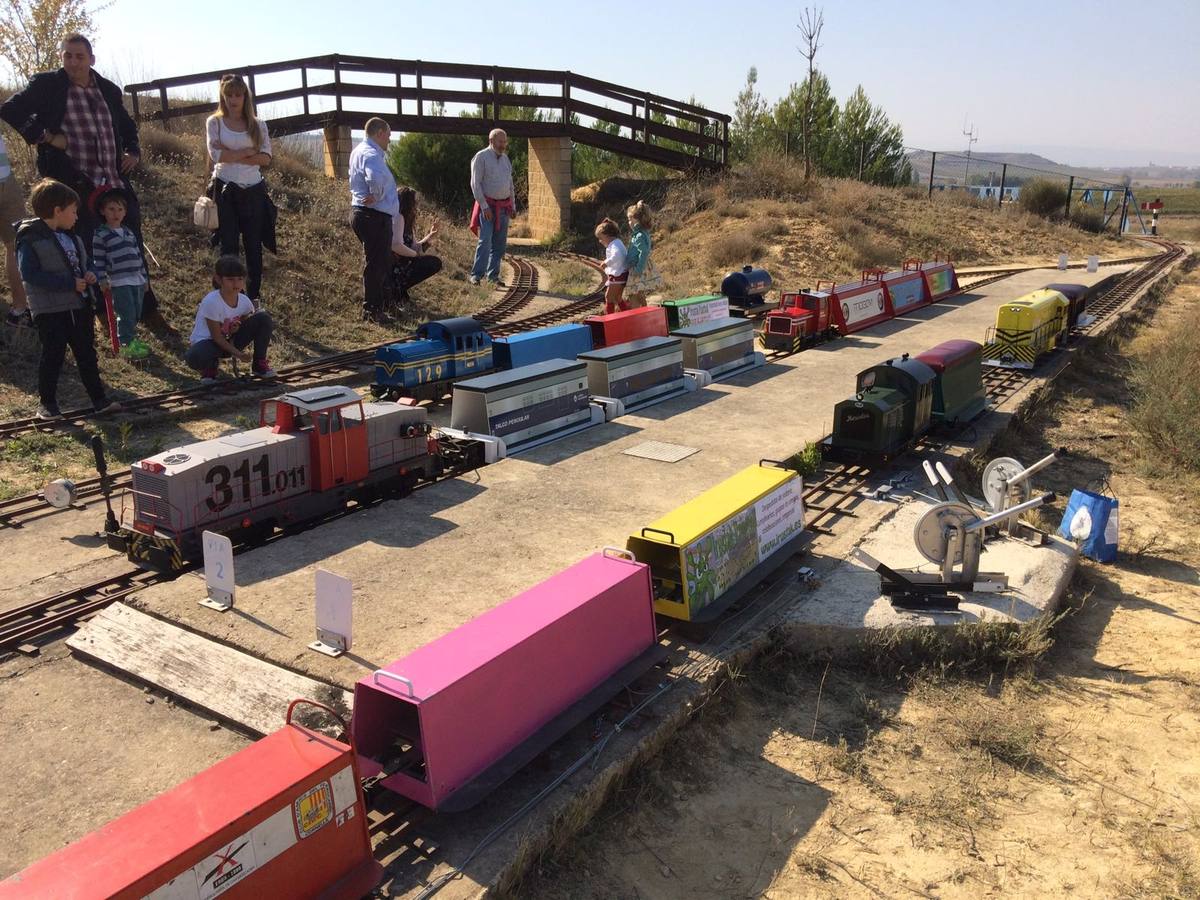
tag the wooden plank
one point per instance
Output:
(231, 685)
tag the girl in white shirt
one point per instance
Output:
(616, 269)
(239, 146)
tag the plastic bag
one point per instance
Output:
(1092, 520)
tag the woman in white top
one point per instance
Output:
(239, 145)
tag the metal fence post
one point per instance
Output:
(1070, 190)
(932, 166)
(1003, 178)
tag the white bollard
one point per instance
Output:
(1093, 263)
(218, 571)
(334, 610)
(1062, 260)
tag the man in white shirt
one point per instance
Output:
(495, 205)
(373, 204)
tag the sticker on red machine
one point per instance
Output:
(313, 809)
(226, 867)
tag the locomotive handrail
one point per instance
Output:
(829, 281)
(773, 464)
(912, 264)
(659, 531)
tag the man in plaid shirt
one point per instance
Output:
(85, 138)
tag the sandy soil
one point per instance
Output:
(151, 741)
(1064, 764)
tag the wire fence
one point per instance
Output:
(1091, 200)
(1094, 201)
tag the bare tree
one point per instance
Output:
(31, 31)
(812, 20)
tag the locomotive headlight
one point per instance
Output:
(60, 493)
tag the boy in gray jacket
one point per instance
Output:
(54, 270)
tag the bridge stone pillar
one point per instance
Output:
(549, 186)
(338, 145)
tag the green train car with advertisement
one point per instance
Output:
(696, 310)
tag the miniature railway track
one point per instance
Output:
(40, 617)
(348, 364)
(830, 496)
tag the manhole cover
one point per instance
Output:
(661, 451)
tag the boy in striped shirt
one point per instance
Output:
(117, 260)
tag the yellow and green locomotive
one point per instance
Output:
(1026, 328)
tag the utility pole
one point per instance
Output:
(972, 135)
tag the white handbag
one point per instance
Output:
(204, 214)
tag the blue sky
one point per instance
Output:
(1081, 82)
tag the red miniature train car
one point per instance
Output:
(627, 325)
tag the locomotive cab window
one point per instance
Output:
(330, 422)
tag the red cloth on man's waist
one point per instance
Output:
(496, 205)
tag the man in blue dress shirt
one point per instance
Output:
(373, 203)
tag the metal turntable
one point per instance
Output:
(951, 535)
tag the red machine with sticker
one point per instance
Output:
(282, 818)
(627, 325)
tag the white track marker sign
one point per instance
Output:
(334, 614)
(1093, 263)
(218, 571)
(1062, 260)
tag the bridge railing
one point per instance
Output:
(322, 91)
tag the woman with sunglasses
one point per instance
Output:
(240, 147)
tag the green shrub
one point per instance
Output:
(806, 461)
(1087, 218)
(1043, 197)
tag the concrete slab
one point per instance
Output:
(426, 564)
(849, 600)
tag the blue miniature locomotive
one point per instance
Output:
(444, 351)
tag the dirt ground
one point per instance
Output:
(153, 742)
(1061, 761)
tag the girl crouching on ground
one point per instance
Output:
(226, 323)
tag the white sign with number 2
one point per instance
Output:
(218, 562)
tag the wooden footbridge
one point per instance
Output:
(554, 109)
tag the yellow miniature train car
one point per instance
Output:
(708, 552)
(1025, 329)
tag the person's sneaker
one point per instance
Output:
(262, 369)
(496, 282)
(107, 406)
(208, 376)
(48, 412)
(474, 279)
(135, 350)
(378, 316)
(22, 319)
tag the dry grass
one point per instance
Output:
(1167, 384)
